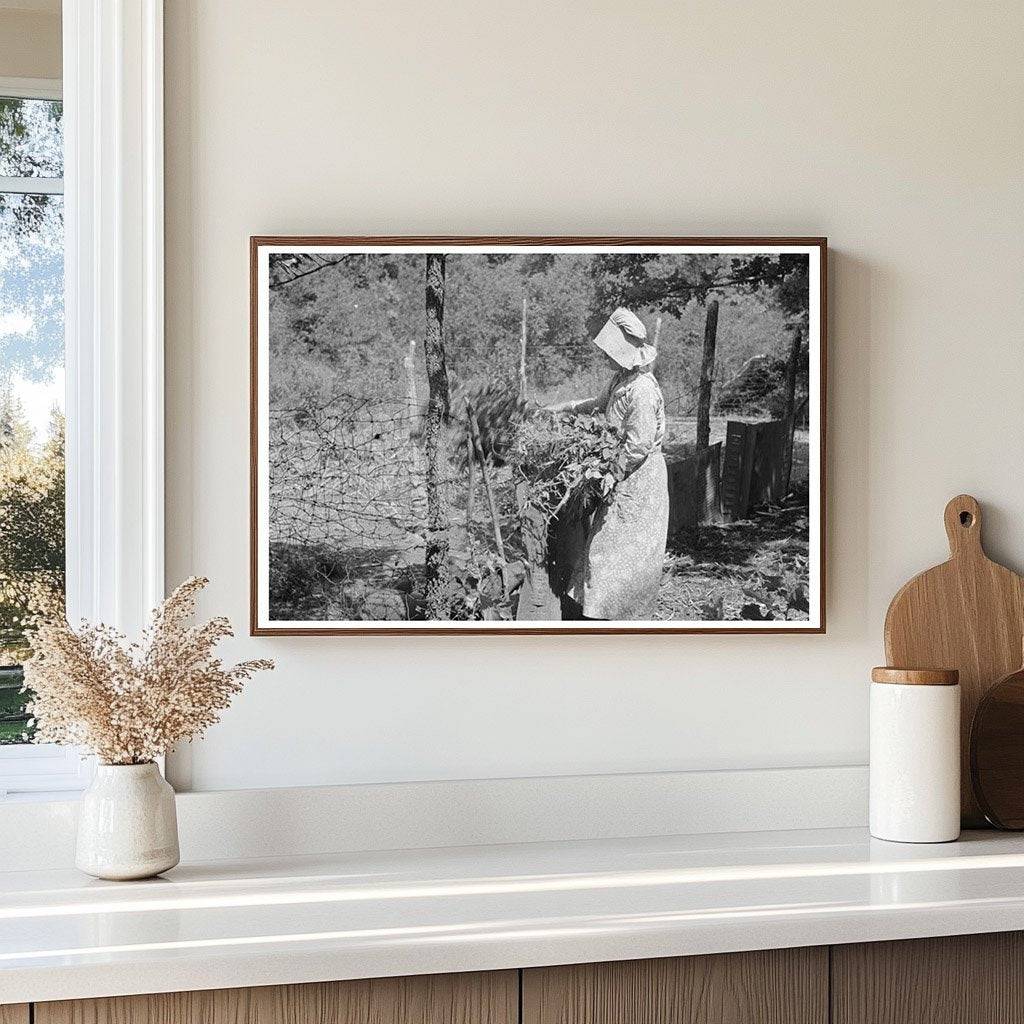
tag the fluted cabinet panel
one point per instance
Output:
(961, 979)
(490, 998)
(778, 986)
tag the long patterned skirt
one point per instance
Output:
(620, 572)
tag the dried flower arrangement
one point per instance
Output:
(129, 703)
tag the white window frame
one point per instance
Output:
(32, 88)
(114, 325)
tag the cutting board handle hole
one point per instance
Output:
(962, 517)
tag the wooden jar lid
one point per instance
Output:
(916, 676)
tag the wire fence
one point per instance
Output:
(348, 473)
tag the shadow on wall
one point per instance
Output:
(853, 286)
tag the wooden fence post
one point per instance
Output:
(791, 366)
(471, 483)
(474, 433)
(412, 405)
(522, 355)
(707, 373)
(794, 357)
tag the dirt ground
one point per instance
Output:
(754, 569)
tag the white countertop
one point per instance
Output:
(261, 922)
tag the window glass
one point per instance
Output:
(31, 138)
(31, 387)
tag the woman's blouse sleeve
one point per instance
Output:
(639, 426)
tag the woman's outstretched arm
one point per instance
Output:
(581, 405)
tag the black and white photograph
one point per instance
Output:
(537, 435)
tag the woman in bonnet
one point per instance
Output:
(620, 570)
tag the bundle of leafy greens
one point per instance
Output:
(569, 464)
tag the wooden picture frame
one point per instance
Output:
(302, 256)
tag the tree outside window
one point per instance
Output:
(31, 386)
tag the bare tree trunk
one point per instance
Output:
(438, 512)
(794, 358)
(707, 373)
(657, 331)
(522, 355)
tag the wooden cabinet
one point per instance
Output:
(971, 979)
(491, 998)
(963, 979)
(778, 986)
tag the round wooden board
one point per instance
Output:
(997, 752)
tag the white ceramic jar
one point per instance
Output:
(127, 824)
(915, 755)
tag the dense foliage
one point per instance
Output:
(31, 547)
(353, 320)
(31, 525)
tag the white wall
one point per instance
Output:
(895, 129)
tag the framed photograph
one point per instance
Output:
(537, 435)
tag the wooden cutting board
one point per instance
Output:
(967, 614)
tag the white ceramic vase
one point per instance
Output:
(127, 825)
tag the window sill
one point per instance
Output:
(44, 771)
